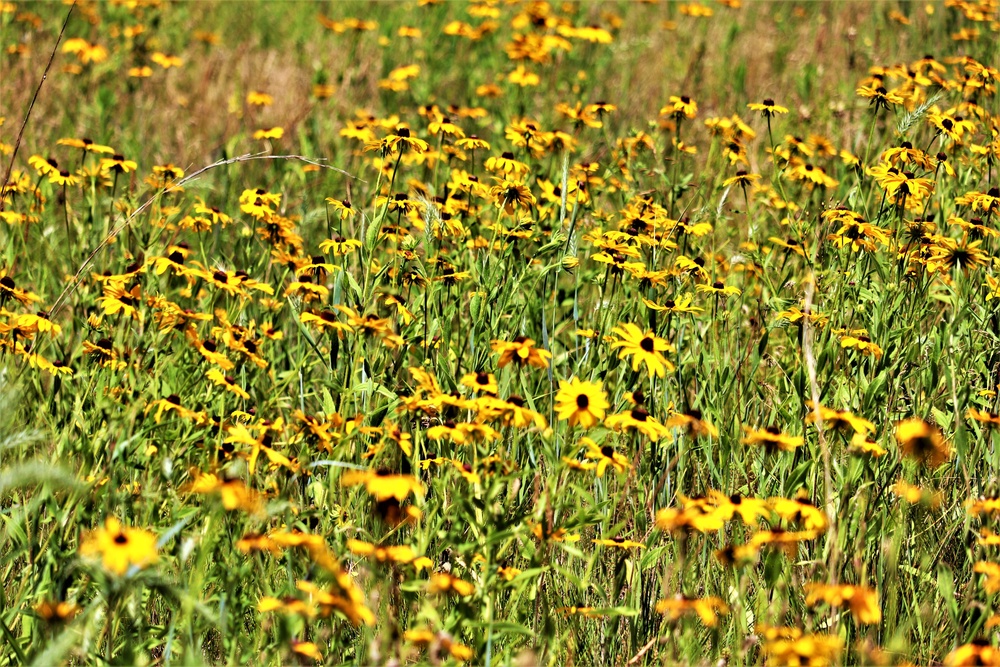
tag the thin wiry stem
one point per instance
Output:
(31, 105)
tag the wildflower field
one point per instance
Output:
(500, 333)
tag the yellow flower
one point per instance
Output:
(442, 582)
(523, 77)
(511, 195)
(233, 493)
(269, 133)
(862, 600)
(680, 107)
(482, 382)
(522, 351)
(258, 99)
(394, 554)
(228, 382)
(644, 348)
(605, 456)
(382, 484)
(772, 439)
(718, 288)
(804, 650)
(922, 441)
(862, 344)
(307, 649)
(767, 108)
(977, 652)
(120, 548)
(581, 402)
(708, 609)
(621, 543)
(118, 164)
(639, 419)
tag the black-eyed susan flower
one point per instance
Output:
(977, 652)
(838, 419)
(55, 612)
(324, 320)
(693, 422)
(767, 108)
(707, 609)
(679, 304)
(718, 288)
(742, 180)
(643, 348)
(548, 533)
(523, 77)
(772, 439)
(879, 97)
(256, 98)
(862, 343)
(463, 433)
(800, 511)
(786, 540)
(983, 416)
(172, 403)
(165, 60)
(481, 381)
(344, 209)
(210, 351)
(382, 484)
(923, 442)
(227, 382)
(438, 642)
(515, 413)
(307, 650)
(638, 419)
(680, 107)
(511, 195)
(118, 164)
(103, 353)
(521, 351)
(119, 547)
(506, 164)
(605, 456)
(233, 493)
(916, 495)
(63, 178)
(473, 143)
(990, 582)
(620, 543)
(442, 582)
(862, 446)
(862, 600)
(690, 518)
(401, 554)
(750, 510)
(581, 402)
(117, 299)
(269, 133)
(813, 649)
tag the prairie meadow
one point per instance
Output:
(500, 333)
